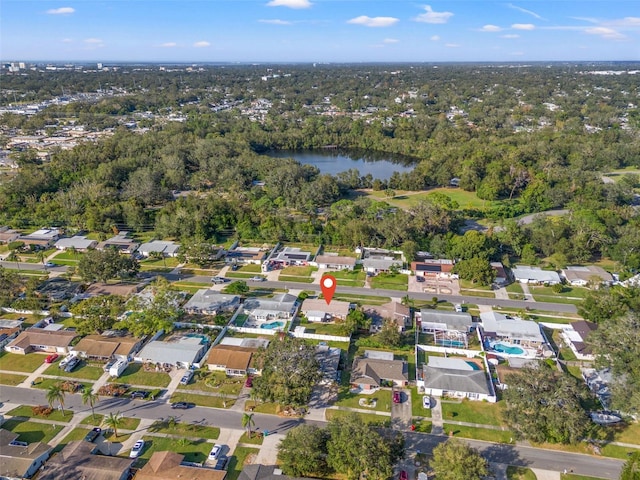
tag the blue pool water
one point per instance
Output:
(451, 343)
(510, 349)
(272, 325)
(473, 365)
(203, 338)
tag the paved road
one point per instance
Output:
(498, 453)
(32, 267)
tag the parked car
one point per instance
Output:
(234, 267)
(458, 308)
(426, 401)
(109, 364)
(248, 382)
(221, 463)
(51, 358)
(403, 475)
(73, 363)
(186, 378)
(257, 278)
(65, 361)
(137, 449)
(397, 398)
(139, 394)
(183, 405)
(214, 453)
(419, 279)
(93, 434)
(50, 264)
(217, 280)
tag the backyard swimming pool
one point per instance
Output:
(203, 338)
(510, 349)
(272, 325)
(451, 343)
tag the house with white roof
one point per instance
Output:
(121, 242)
(535, 275)
(78, 242)
(335, 262)
(181, 353)
(211, 302)
(580, 276)
(159, 247)
(279, 307)
(457, 377)
(449, 329)
(285, 257)
(511, 336)
(318, 310)
(45, 237)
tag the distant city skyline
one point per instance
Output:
(319, 31)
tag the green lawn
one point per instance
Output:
(515, 288)
(370, 418)
(45, 383)
(416, 405)
(217, 382)
(324, 328)
(250, 268)
(28, 363)
(390, 281)
(31, 432)
(484, 413)
(72, 436)
(298, 271)
(56, 415)
(136, 375)
(360, 299)
(421, 425)
(11, 379)
(571, 476)
(520, 473)
(352, 400)
(255, 439)
(85, 371)
(262, 407)
(191, 430)
(237, 461)
(194, 451)
(288, 278)
(350, 278)
(500, 436)
(202, 400)
(407, 199)
(630, 434)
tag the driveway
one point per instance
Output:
(401, 412)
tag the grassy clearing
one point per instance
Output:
(46, 383)
(370, 418)
(72, 436)
(202, 400)
(193, 451)
(185, 430)
(571, 476)
(31, 432)
(630, 434)
(217, 382)
(417, 410)
(255, 439)
(287, 278)
(11, 379)
(407, 199)
(390, 281)
(515, 288)
(85, 371)
(298, 271)
(382, 400)
(324, 328)
(56, 415)
(28, 363)
(500, 436)
(348, 278)
(360, 299)
(136, 375)
(484, 413)
(237, 461)
(520, 473)
(615, 451)
(477, 293)
(267, 407)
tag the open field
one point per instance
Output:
(500, 436)
(31, 432)
(407, 199)
(11, 379)
(473, 412)
(390, 281)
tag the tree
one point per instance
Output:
(55, 393)
(475, 270)
(303, 452)
(97, 314)
(544, 405)
(390, 334)
(455, 460)
(102, 265)
(10, 286)
(355, 320)
(631, 469)
(238, 287)
(355, 447)
(13, 257)
(114, 421)
(90, 398)
(289, 372)
(248, 423)
(147, 317)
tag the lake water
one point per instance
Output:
(380, 166)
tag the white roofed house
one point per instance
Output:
(318, 310)
(159, 247)
(377, 265)
(79, 242)
(449, 329)
(335, 262)
(535, 275)
(457, 377)
(43, 238)
(281, 306)
(285, 257)
(181, 353)
(507, 335)
(580, 276)
(211, 302)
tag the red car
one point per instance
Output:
(248, 382)
(396, 397)
(403, 475)
(51, 358)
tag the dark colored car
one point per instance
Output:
(221, 463)
(403, 475)
(248, 382)
(93, 434)
(139, 394)
(234, 267)
(183, 405)
(397, 398)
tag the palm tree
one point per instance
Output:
(41, 256)
(114, 420)
(248, 423)
(14, 257)
(55, 393)
(89, 397)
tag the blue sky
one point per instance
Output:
(319, 30)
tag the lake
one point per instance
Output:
(380, 166)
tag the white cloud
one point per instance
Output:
(67, 40)
(435, 38)
(297, 4)
(374, 21)
(61, 11)
(275, 21)
(524, 10)
(433, 17)
(510, 35)
(605, 32)
(169, 45)
(202, 44)
(452, 45)
(491, 28)
(523, 26)
(390, 40)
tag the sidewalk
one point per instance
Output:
(33, 376)
(176, 376)
(268, 454)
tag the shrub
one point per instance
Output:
(42, 410)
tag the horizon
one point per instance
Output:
(320, 31)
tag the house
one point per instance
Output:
(457, 377)
(41, 340)
(579, 276)
(79, 243)
(502, 278)
(501, 333)
(335, 262)
(245, 255)
(534, 275)
(377, 369)
(378, 265)
(318, 310)
(160, 248)
(7, 235)
(180, 353)
(329, 360)
(171, 466)
(575, 337)
(394, 311)
(598, 382)
(19, 459)
(57, 289)
(7, 335)
(285, 257)
(235, 356)
(108, 346)
(211, 302)
(78, 461)
(120, 242)
(449, 329)
(281, 307)
(433, 268)
(43, 238)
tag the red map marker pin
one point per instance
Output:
(328, 286)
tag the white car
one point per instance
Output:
(215, 453)
(257, 278)
(426, 401)
(137, 449)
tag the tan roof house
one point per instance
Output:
(583, 276)
(40, 340)
(394, 311)
(104, 347)
(77, 461)
(233, 360)
(318, 310)
(8, 235)
(19, 459)
(378, 369)
(168, 466)
(335, 262)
